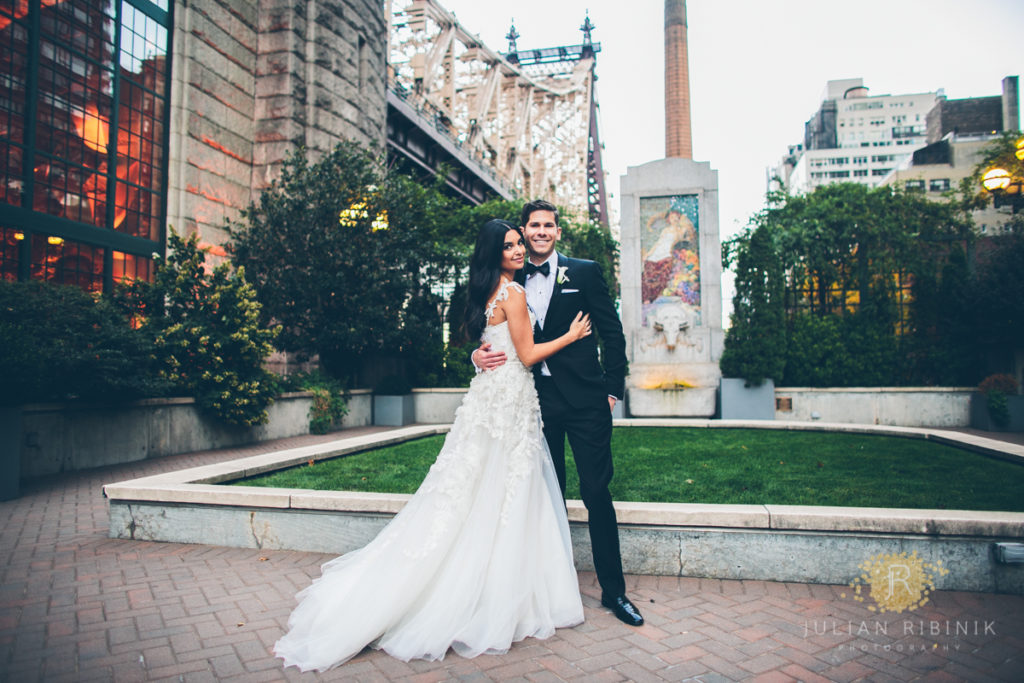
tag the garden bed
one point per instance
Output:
(729, 466)
(813, 544)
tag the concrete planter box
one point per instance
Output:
(10, 452)
(980, 418)
(393, 411)
(437, 405)
(812, 544)
(738, 401)
(942, 407)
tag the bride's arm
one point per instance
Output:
(521, 330)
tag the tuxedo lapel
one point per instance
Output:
(556, 291)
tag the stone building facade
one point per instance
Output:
(118, 119)
(253, 81)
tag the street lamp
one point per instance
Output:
(996, 179)
(1005, 186)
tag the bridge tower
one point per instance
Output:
(522, 123)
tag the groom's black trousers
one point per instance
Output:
(590, 434)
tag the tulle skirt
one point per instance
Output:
(479, 558)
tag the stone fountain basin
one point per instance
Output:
(808, 544)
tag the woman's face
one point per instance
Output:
(513, 251)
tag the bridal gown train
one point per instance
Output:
(480, 556)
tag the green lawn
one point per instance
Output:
(754, 466)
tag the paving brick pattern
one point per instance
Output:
(78, 606)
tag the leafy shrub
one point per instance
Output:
(207, 335)
(329, 400)
(58, 342)
(1004, 383)
(755, 344)
(995, 389)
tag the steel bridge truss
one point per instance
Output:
(528, 118)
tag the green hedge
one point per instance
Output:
(58, 342)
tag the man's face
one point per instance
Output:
(541, 233)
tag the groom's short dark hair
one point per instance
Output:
(537, 205)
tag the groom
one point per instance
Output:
(576, 395)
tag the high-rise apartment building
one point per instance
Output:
(959, 132)
(856, 137)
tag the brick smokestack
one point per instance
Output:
(678, 138)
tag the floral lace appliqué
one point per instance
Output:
(502, 295)
(501, 407)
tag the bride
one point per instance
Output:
(480, 556)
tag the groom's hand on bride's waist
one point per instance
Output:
(485, 359)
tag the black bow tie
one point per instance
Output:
(544, 269)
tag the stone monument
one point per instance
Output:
(671, 260)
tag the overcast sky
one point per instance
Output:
(757, 69)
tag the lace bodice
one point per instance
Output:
(503, 404)
(498, 335)
(502, 295)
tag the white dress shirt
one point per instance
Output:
(538, 296)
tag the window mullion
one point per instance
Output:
(115, 115)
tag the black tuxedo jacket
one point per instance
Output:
(576, 369)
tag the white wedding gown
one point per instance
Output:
(479, 558)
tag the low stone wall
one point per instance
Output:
(892, 406)
(437, 406)
(764, 542)
(899, 406)
(66, 437)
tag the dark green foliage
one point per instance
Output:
(838, 261)
(755, 345)
(350, 290)
(207, 334)
(329, 400)
(995, 388)
(367, 299)
(852, 350)
(941, 347)
(592, 241)
(815, 352)
(58, 342)
(997, 293)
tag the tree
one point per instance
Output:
(755, 342)
(844, 251)
(996, 301)
(207, 333)
(344, 254)
(1000, 153)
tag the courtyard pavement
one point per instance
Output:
(78, 606)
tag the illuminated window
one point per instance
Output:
(83, 109)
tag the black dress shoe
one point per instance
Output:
(622, 608)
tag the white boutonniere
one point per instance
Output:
(561, 277)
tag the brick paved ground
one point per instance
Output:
(77, 606)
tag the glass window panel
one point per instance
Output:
(13, 67)
(70, 191)
(128, 267)
(10, 244)
(80, 160)
(67, 262)
(10, 167)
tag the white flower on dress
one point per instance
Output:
(561, 277)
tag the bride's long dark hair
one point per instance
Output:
(484, 271)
